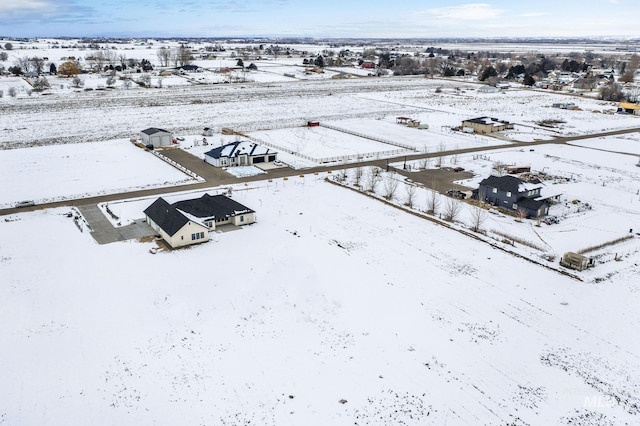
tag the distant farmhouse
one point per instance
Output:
(156, 137)
(485, 125)
(511, 193)
(242, 153)
(190, 221)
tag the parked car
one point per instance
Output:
(456, 194)
(278, 163)
(549, 220)
(26, 203)
(458, 169)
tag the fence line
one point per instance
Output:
(323, 160)
(178, 166)
(373, 138)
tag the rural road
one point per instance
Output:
(217, 177)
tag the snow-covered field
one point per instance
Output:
(325, 145)
(332, 309)
(51, 173)
(335, 308)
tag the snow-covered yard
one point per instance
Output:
(332, 309)
(62, 172)
(325, 145)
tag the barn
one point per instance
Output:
(156, 137)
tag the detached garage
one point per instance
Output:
(156, 137)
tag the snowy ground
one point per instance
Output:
(51, 173)
(411, 324)
(325, 145)
(599, 193)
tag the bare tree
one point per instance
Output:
(357, 177)
(37, 64)
(452, 209)
(145, 80)
(522, 213)
(441, 149)
(372, 179)
(77, 82)
(181, 56)
(159, 82)
(164, 55)
(12, 92)
(111, 81)
(390, 187)
(41, 84)
(478, 217)
(126, 83)
(411, 195)
(433, 202)
(3, 56)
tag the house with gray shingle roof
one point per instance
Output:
(511, 193)
(240, 153)
(189, 222)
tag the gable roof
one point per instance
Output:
(487, 120)
(166, 216)
(208, 206)
(510, 184)
(530, 203)
(234, 149)
(153, 130)
(172, 217)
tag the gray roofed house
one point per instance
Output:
(240, 153)
(189, 222)
(511, 193)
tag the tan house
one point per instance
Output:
(190, 221)
(485, 125)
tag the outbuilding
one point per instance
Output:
(156, 137)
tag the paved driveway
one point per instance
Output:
(104, 232)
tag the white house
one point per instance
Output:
(243, 153)
(190, 221)
(156, 137)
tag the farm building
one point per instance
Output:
(190, 221)
(629, 108)
(156, 137)
(486, 125)
(242, 153)
(511, 193)
(576, 261)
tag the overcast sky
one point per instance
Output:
(326, 18)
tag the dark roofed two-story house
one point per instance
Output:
(189, 222)
(511, 193)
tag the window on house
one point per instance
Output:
(509, 194)
(515, 206)
(202, 235)
(241, 218)
(494, 190)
